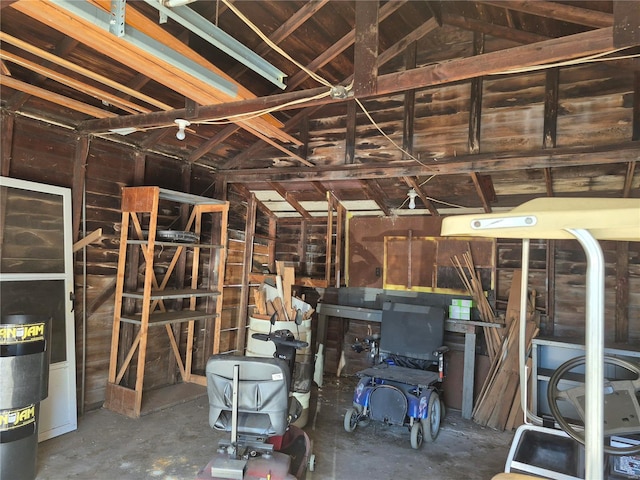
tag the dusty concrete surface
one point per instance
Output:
(175, 443)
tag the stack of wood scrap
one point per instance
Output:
(471, 280)
(279, 300)
(498, 405)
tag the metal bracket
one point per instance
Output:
(117, 22)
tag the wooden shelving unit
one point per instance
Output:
(149, 296)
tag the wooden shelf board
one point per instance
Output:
(163, 318)
(172, 294)
(175, 244)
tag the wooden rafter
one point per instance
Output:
(373, 192)
(498, 31)
(78, 85)
(62, 48)
(55, 98)
(484, 188)
(140, 60)
(340, 46)
(383, 58)
(558, 11)
(301, 16)
(291, 200)
(131, 90)
(412, 183)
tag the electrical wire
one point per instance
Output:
(275, 47)
(241, 117)
(567, 63)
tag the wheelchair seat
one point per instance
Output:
(263, 395)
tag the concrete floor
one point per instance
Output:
(175, 443)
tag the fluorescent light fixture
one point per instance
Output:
(209, 32)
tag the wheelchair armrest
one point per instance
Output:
(441, 350)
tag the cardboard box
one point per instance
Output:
(459, 313)
(462, 302)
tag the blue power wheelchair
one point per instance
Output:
(405, 387)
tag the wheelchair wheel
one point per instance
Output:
(350, 419)
(417, 434)
(432, 422)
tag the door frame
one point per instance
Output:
(58, 412)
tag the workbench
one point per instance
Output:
(467, 327)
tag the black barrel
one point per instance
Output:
(25, 355)
(19, 442)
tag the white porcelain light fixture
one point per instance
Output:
(412, 194)
(182, 124)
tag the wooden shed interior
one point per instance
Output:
(340, 133)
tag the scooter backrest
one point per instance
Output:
(263, 394)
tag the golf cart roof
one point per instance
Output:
(550, 218)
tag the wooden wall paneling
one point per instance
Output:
(366, 243)
(475, 107)
(482, 183)
(6, 137)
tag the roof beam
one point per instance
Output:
(460, 164)
(502, 61)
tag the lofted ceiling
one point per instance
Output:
(444, 98)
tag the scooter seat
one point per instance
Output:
(262, 394)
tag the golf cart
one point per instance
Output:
(608, 408)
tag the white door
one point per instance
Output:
(36, 277)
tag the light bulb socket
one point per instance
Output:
(412, 194)
(182, 124)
